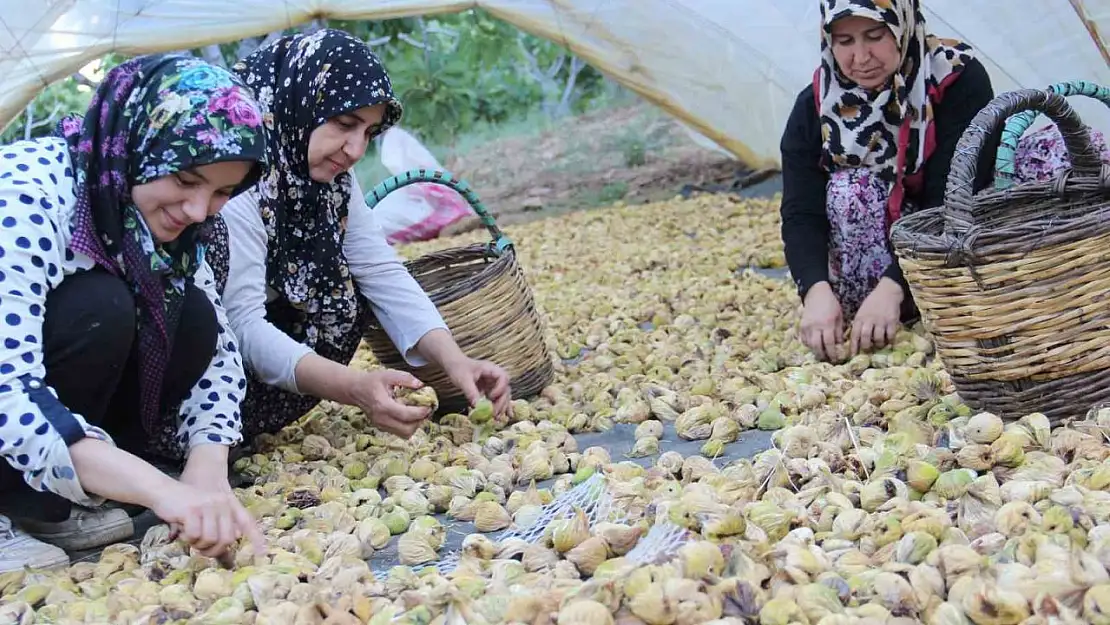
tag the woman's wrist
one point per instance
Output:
(327, 379)
(439, 347)
(348, 386)
(209, 460)
(818, 289)
(890, 287)
(112, 473)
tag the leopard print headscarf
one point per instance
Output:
(885, 130)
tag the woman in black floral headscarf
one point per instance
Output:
(306, 262)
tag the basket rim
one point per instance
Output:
(1079, 212)
(496, 266)
(962, 205)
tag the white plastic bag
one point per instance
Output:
(419, 211)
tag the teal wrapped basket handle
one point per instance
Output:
(1005, 166)
(500, 242)
(1010, 282)
(482, 293)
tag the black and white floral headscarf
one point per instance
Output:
(302, 81)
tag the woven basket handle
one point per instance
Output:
(377, 194)
(959, 202)
(1006, 160)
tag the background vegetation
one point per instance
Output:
(532, 127)
(457, 74)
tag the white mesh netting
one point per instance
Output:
(593, 498)
(659, 544)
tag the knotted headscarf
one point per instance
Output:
(151, 117)
(302, 81)
(885, 130)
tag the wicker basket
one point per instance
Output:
(483, 296)
(1014, 284)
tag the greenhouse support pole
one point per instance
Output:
(1092, 29)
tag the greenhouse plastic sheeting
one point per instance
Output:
(729, 69)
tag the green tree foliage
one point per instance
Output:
(460, 70)
(452, 72)
(69, 95)
(40, 117)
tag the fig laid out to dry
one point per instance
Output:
(883, 498)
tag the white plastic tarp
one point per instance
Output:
(728, 69)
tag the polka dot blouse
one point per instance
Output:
(36, 207)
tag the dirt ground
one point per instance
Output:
(633, 153)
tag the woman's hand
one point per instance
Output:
(822, 329)
(224, 519)
(209, 517)
(205, 512)
(474, 378)
(480, 378)
(373, 392)
(878, 318)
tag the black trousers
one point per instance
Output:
(89, 350)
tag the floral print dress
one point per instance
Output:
(859, 250)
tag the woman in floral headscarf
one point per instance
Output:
(307, 263)
(869, 140)
(114, 340)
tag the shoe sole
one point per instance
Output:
(52, 565)
(79, 540)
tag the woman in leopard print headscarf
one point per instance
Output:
(869, 140)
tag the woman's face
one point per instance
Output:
(172, 203)
(865, 51)
(336, 145)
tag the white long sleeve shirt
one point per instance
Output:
(400, 305)
(37, 202)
